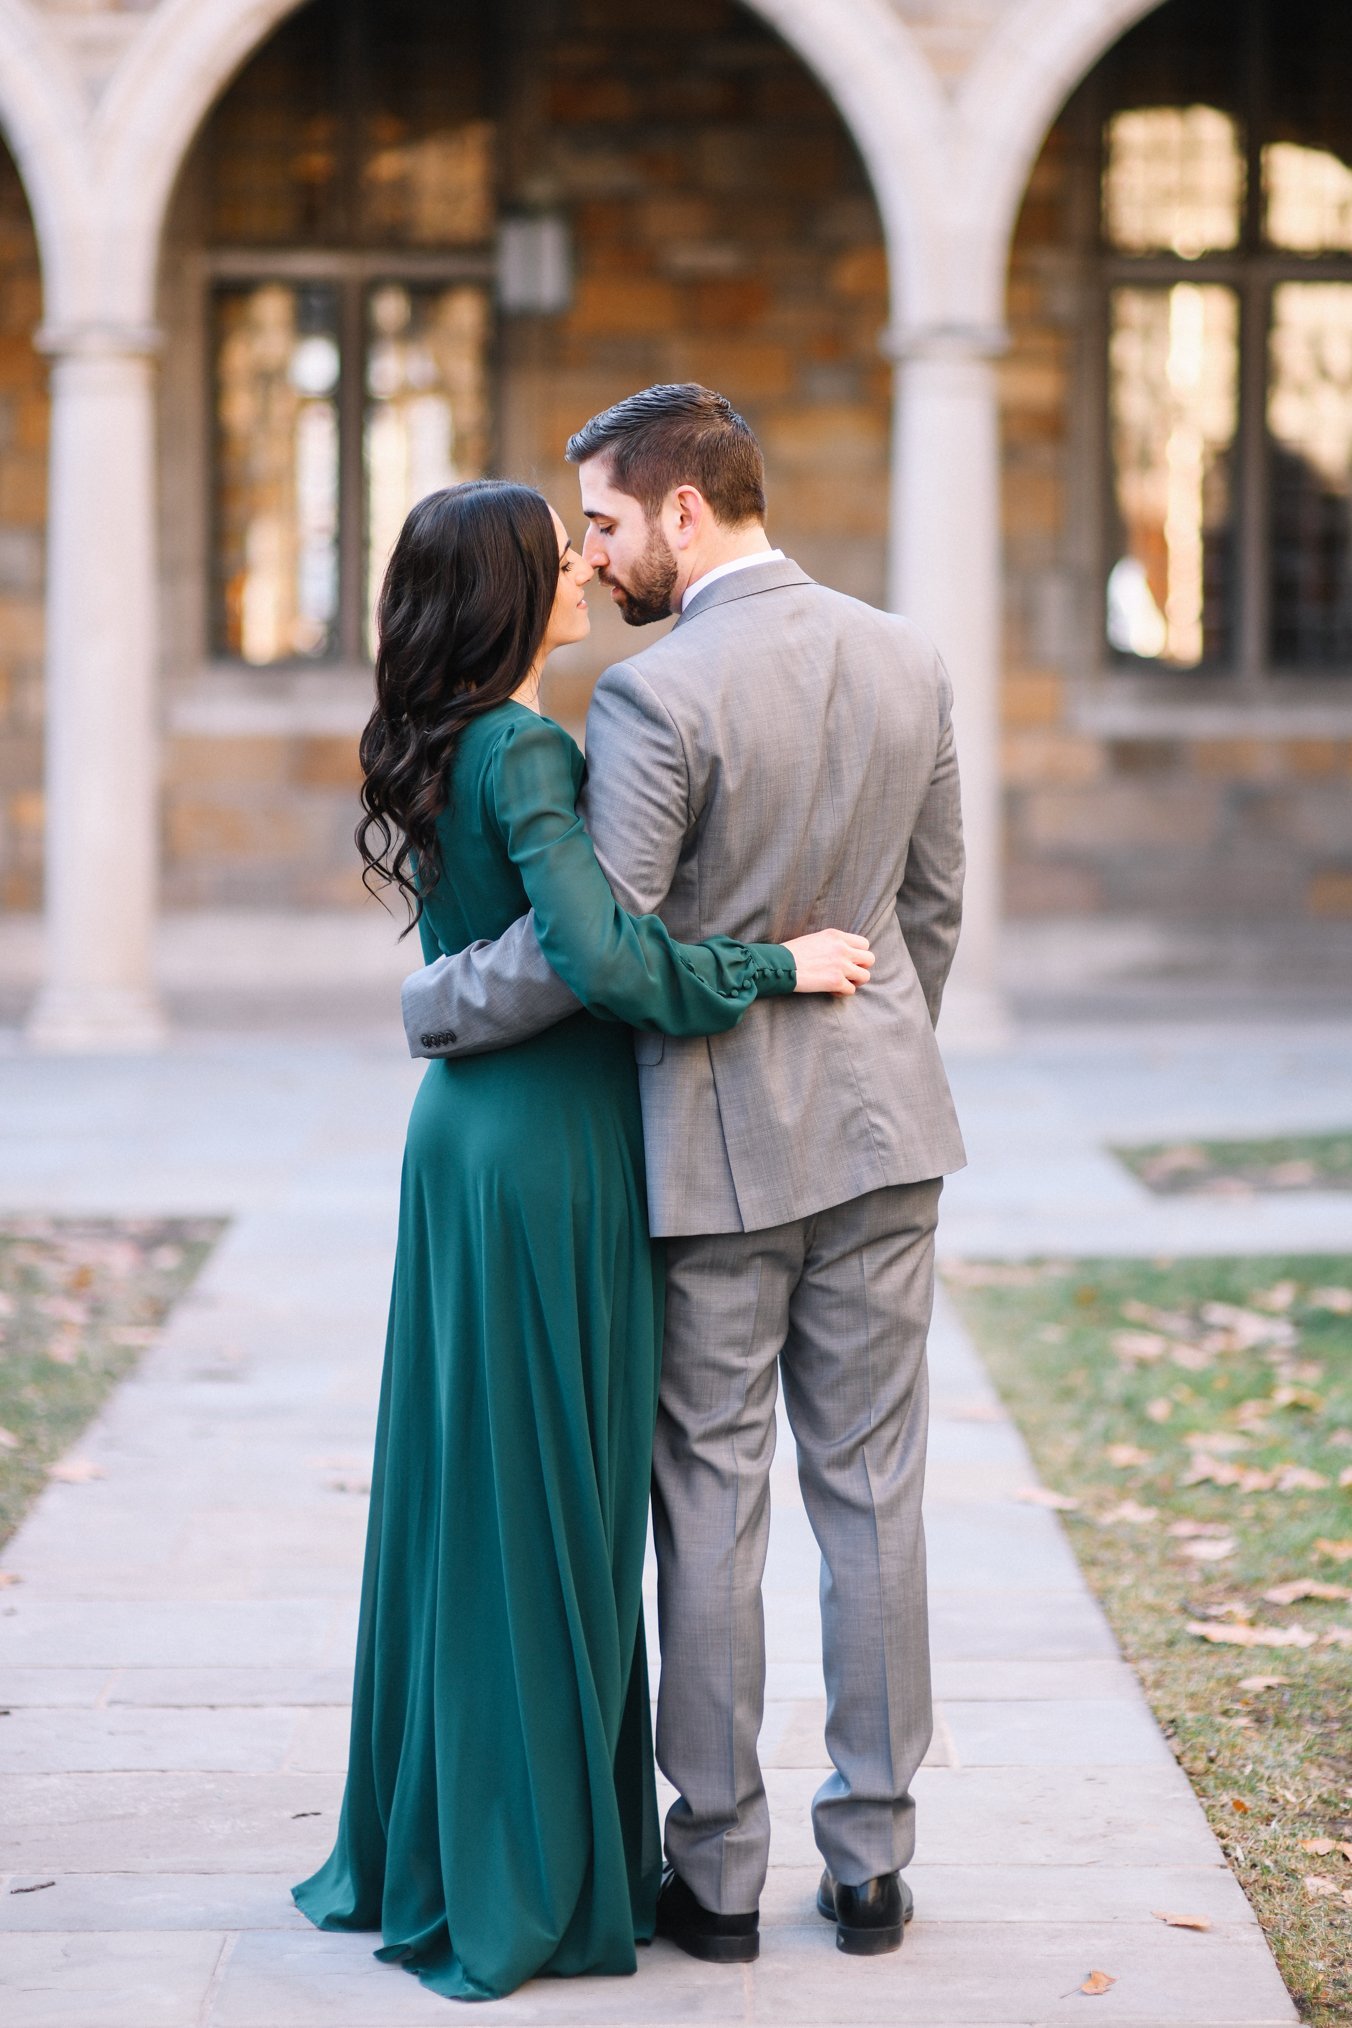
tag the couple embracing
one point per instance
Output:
(603, 1271)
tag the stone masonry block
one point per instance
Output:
(1033, 697)
(1330, 892)
(617, 307)
(192, 760)
(327, 763)
(1113, 815)
(1034, 756)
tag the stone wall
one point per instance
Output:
(23, 504)
(1151, 822)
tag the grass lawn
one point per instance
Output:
(1200, 1415)
(79, 1302)
(1229, 1168)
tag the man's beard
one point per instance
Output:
(647, 595)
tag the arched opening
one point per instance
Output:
(1177, 445)
(413, 242)
(23, 512)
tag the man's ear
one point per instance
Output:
(688, 509)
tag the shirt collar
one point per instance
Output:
(726, 570)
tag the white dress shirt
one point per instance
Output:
(726, 569)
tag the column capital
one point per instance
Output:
(953, 341)
(96, 339)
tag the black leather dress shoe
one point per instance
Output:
(699, 1931)
(869, 1919)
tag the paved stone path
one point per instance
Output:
(176, 1659)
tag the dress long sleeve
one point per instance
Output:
(623, 967)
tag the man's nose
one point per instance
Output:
(593, 549)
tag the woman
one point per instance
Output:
(500, 1817)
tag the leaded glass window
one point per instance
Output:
(1225, 230)
(349, 206)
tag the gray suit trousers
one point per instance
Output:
(840, 1302)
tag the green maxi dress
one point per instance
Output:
(500, 1818)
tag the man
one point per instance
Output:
(781, 760)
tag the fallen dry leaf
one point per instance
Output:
(1216, 1442)
(1300, 1479)
(1139, 1347)
(1186, 1529)
(1208, 1548)
(1123, 1456)
(1336, 1637)
(1043, 1496)
(1304, 1587)
(1318, 1848)
(1244, 1636)
(1192, 1358)
(1262, 1682)
(1293, 1175)
(8, 1440)
(1248, 1328)
(1098, 1982)
(1181, 1921)
(1337, 1300)
(1160, 1409)
(75, 1471)
(1297, 1397)
(1345, 1476)
(1341, 1552)
(1279, 1297)
(1319, 1884)
(8, 1577)
(1173, 1323)
(1132, 1513)
(1238, 1804)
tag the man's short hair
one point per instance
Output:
(678, 435)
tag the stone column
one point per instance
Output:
(102, 764)
(945, 575)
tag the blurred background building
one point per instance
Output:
(1042, 310)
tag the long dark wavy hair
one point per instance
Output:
(461, 618)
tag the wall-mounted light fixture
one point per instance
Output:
(535, 264)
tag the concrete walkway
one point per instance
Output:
(176, 1658)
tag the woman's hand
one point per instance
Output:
(831, 961)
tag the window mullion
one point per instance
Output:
(1254, 538)
(351, 472)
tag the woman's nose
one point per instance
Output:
(587, 571)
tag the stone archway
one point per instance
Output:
(103, 655)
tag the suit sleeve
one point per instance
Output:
(929, 904)
(635, 802)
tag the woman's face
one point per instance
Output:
(569, 619)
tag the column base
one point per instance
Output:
(974, 1021)
(96, 1021)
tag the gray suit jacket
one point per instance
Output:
(781, 761)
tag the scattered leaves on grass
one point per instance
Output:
(1131, 1512)
(1185, 1529)
(1339, 1301)
(1262, 1682)
(1160, 1409)
(1043, 1496)
(1098, 1982)
(1341, 1552)
(1304, 1587)
(1243, 1636)
(75, 1471)
(1319, 1884)
(1181, 1921)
